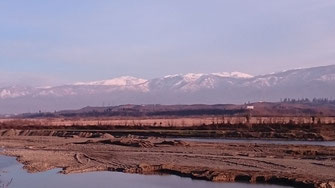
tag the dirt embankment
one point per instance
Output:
(260, 131)
(294, 128)
(299, 166)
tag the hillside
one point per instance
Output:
(260, 109)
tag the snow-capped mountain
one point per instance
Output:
(14, 92)
(194, 82)
(189, 88)
(121, 81)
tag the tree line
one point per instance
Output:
(307, 100)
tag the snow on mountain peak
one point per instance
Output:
(5, 93)
(171, 76)
(195, 76)
(13, 92)
(327, 77)
(194, 82)
(232, 75)
(190, 77)
(120, 81)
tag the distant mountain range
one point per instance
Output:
(215, 88)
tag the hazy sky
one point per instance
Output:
(50, 42)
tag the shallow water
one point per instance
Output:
(11, 169)
(279, 142)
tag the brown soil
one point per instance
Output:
(283, 132)
(289, 128)
(299, 166)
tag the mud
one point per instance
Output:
(298, 166)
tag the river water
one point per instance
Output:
(279, 142)
(11, 173)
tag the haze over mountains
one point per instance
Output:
(190, 88)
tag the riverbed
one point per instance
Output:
(93, 160)
(11, 173)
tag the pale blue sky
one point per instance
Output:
(51, 42)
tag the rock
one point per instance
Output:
(222, 177)
(10, 132)
(75, 136)
(107, 136)
(145, 168)
(327, 185)
(172, 143)
(85, 134)
(130, 142)
(132, 136)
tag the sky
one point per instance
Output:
(45, 42)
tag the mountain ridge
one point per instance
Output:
(212, 88)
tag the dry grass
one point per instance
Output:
(160, 122)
